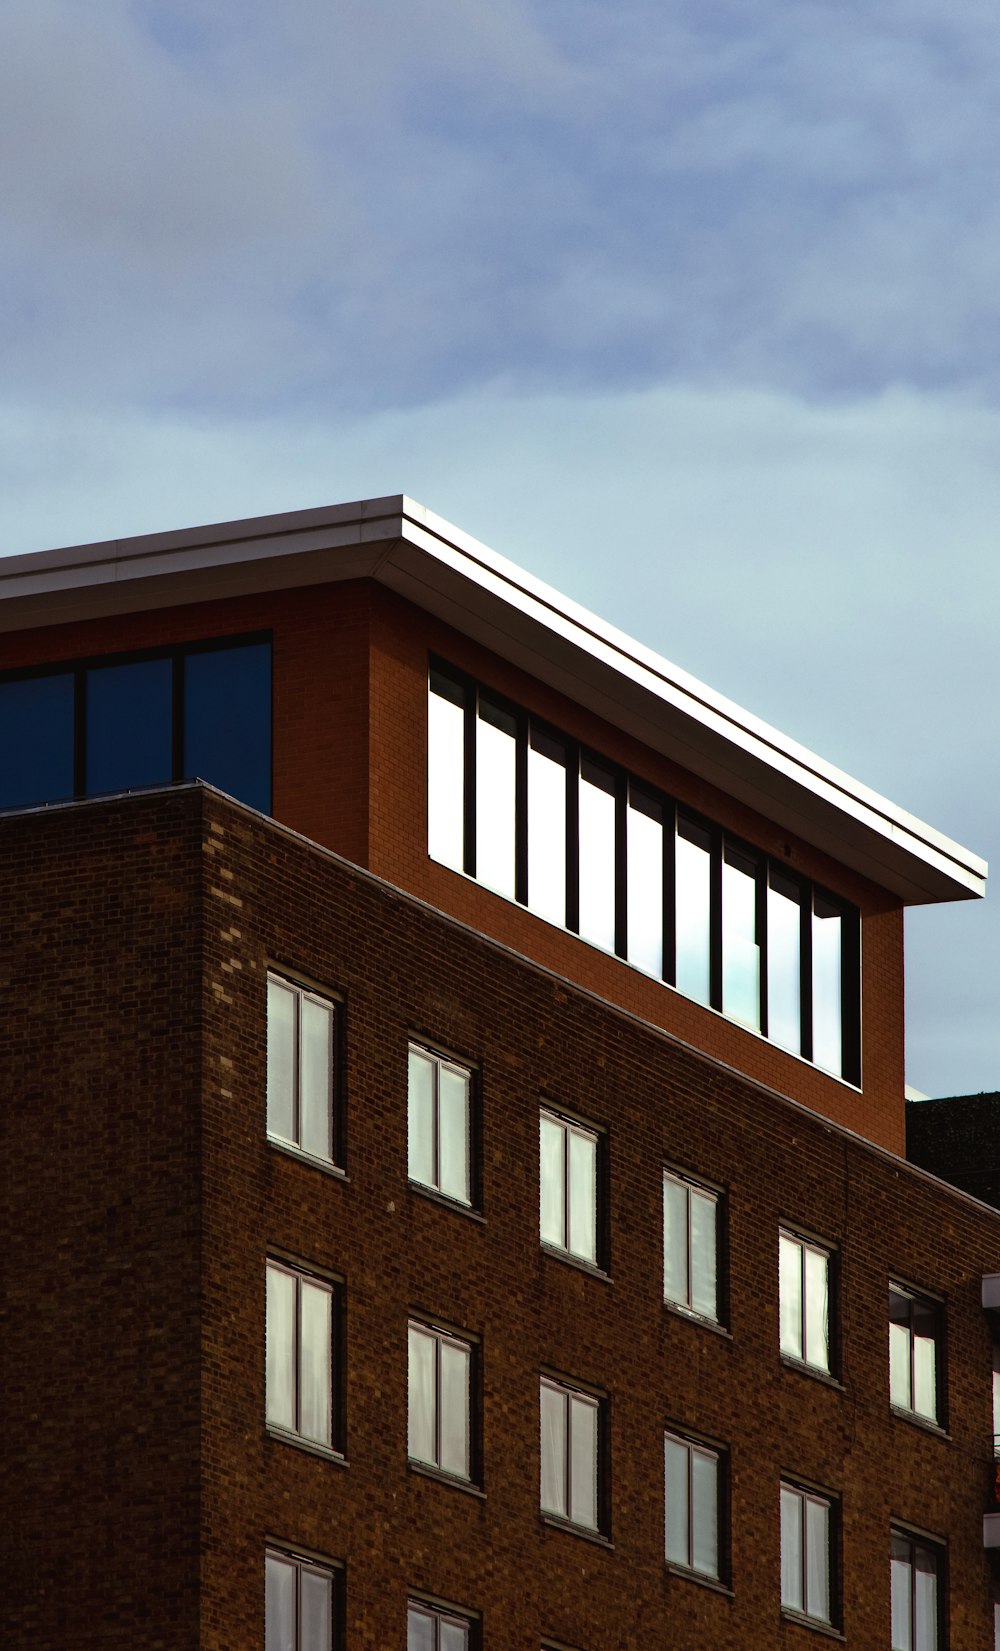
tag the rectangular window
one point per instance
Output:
(36, 740)
(301, 1030)
(496, 798)
(693, 901)
(227, 720)
(299, 1343)
(440, 1400)
(128, 721)
(547, 778)
(690, 1246)
(804, 1290)
(644, 863)
(439, 1124)
(431, 1628)
(914, 1353)
(598, 850)
(784, 962)
(570, 1452)
(740, 948)
(691, 1486)
(915, 1570)
(446, 772)
(805, 1553)
(298, 1604)
(996, 1401)
(568, 1182)
(827, 984)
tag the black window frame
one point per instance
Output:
(937, 1307)
(602, 1188)
(440, 1609)
(437, 1051)
(818, 1493)
(821, 1246)
(574, 1388)
(916, 1538)
(337, 1003)
(696, 1441)
(336, 1283)
(431, 1324)
(292, 1553)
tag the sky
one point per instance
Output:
(688, 306)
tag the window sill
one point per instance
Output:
(434, 1197)
(326, 1166)
(577, 1261)
(923, 1422)
(282, 1437)
(427, 1470)
(802, 1621)
(556, 1524)
(710, 1582)
(800, 1368)
(685, 1313)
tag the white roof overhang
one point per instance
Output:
(446, 572)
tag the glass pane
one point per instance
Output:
(925, 1599)
(675, 1470)
(552, 1181)
(791, 1550)
(422, 1166)
(704, 1261)
(280, 1060)
(583, 1194)
(317, 1611)
(817, 1326)
(924, 1374)
(227, 721)
(583, 1463)
(826, 947)
(36, 741)
(280, 1338)
(817, 1559)
(675, 1241)
(784, 969)
(705, 1498)
(419, 1630)
(740, 951)
(546, 835)
(453, 1124)
(316, 1079)
(279, 1604)
(315, 1362)
(496, 769)
(553, 1449)
(644, 847)
(790, 1294)
(129, 725)
(694, 890)
(454, 1419)
(597, 863)
(454, 1636)
(996, 1405)
(899, 1366)
(445, 781)
(902, 1599)
(422, 1432)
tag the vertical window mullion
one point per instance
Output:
(691, 1540)
(297, 1374)
(567, 1186)
(297, 1065)
(436, 1121)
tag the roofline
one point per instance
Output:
(407, 548)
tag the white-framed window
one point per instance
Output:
(916, 1609)
(914, 1353)
(806, 1521)
(440, 1124)
(433, 1628)
(570, 1454)
(299, 1341)
(298, 1604)
(301, 1029)
(440, 1399)
(692, 1476)
(568, 1186)
(804, 1293)
(690, 1246)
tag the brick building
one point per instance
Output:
(454, 1189)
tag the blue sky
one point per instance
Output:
(691, 308)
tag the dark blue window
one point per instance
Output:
(36, 740)
(227, 721)
(129, 725)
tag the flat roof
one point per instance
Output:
(448, 573)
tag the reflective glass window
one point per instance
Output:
(568, 1186)
(784, 963)
(547, 828)
(693, 911)
(740, 950)
(914, 1330)
(914, 1582)
(597, 855)
(804, 1280)
(440, 1382)
(446, 772)
(439, 1124)
(644, 882)
(431, 1629)
(690, 1246)
(496, 792)
(300, 1057)
(827, 944)
(691, 1484)
(129, 723)
(36, 740)
(227, 721)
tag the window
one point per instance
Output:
(805, 1553)
(914, 1337)
(915, 1567)
(691, 1476)
(690, 1246)
(429, 1628)
(571, 1450)
(439, 1124)
(440, 1394)
(996, 1402)
(298, 1604)
(804, 1288)
(300, 1326)
(300, 1068)
(568, 1182)
(531, 814)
